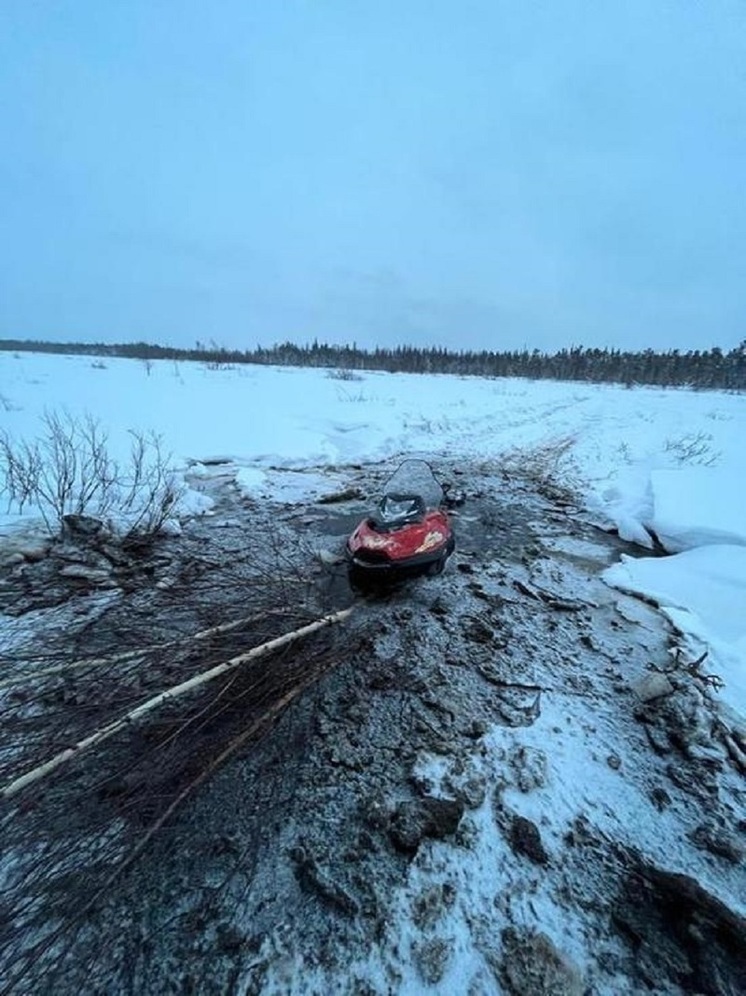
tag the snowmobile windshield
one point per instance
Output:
(414, 478)
(401, 508)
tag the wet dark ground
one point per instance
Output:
(487, 527)
(280, 874)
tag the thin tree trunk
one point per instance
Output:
(129, 655)
(36, 774)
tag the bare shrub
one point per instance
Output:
(343, 373)
(354, 397)
(693, 449)
(68, 470)
(218, 365)
(7, 405)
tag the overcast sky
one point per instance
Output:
(468, 173)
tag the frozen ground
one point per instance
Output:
(506, 784)
(670, 463)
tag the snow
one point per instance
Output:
(704, 505)
(249, 480)
(646, 459)
(703, 593)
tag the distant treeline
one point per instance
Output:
(700, 369)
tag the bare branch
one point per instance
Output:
(36, 774)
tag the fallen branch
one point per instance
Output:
(563, 604)
(235, 745)
(526, 590)
(736, 754)
(520, 686)
(264, 720)
(36, 774)
(350, 494)
(130, 655)
(549, 598)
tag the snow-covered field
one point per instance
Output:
(668, 461)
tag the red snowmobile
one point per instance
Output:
(408, 534)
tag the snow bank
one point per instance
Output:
(685, 507)
(703, 593)
(697, 506)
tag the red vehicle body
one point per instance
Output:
(408, 534)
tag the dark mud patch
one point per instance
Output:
(680, 931)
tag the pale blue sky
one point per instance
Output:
(481, 173)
